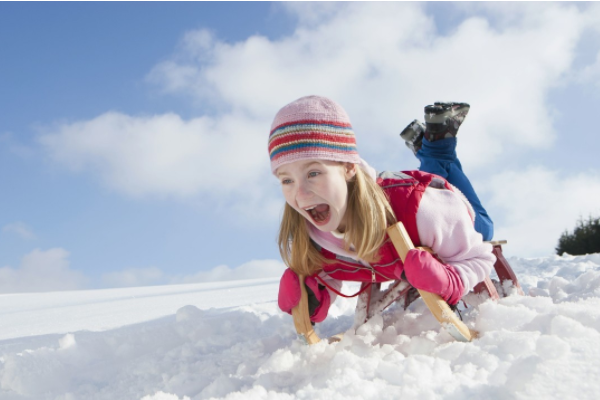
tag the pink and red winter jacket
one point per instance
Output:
(435, 215)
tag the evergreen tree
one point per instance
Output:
(585, 238)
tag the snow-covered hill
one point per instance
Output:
(228, 340)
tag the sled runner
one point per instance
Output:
(302, 318)
(372, 300)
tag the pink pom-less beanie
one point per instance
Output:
(312, 127)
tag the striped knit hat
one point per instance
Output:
(312, 127)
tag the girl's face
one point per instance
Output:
(317, 189)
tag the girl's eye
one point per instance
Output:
(312, 174)
(286, 181)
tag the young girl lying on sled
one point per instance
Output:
(337, 210)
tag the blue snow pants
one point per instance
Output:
(440, 158)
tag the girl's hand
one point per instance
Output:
(425, 272)
(289, 295)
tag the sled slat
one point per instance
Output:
(438, 307)
(302, 318)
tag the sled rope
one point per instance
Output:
(328, 286)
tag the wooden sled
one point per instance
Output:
(373, 300)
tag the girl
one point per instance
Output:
(337, 211)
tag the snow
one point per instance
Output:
(228, 340)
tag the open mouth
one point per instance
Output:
(320, 214)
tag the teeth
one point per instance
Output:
(309, 208)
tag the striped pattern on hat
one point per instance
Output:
(312, 127)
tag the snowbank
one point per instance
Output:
(545, 345)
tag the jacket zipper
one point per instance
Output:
(360, 266)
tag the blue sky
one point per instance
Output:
(133, 135)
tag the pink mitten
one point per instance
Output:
(289, 295)
(425, 272)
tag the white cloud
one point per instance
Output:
(41, 271)
(533, 207)
(19, 228)
(134, 277)
(163, 154)
(223, 159)
(251, 270)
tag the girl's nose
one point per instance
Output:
(303, 192)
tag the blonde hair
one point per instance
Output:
(368, 214)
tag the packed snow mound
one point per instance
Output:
(540, 346)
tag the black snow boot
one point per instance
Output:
(413, 135)
(442, 120)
